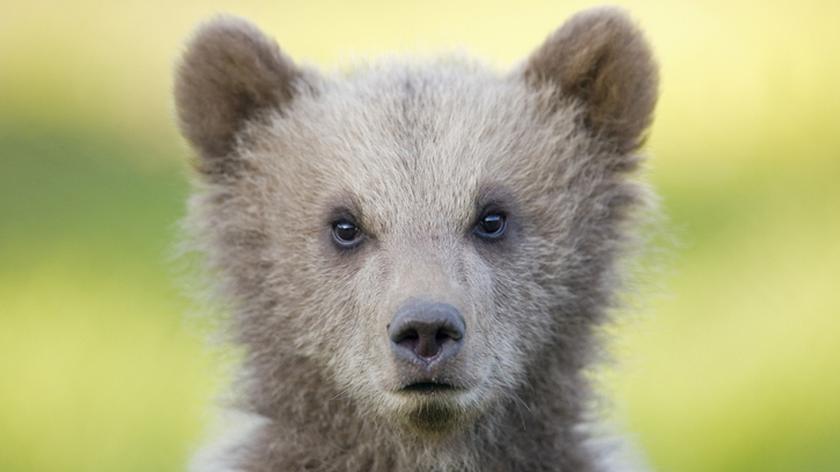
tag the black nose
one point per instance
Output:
(426, 332)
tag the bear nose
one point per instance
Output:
(426, 332)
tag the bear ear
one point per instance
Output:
(601, 59)
(229, 72)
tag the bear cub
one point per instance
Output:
(416, 255)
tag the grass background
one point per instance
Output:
(732, 364)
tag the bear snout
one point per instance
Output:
(426, 334)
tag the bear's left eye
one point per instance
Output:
(491, 225)
(346, 234)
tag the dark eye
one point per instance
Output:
(346, 233)
(492, 225)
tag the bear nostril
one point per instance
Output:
(408, 335)
(426, 332)
(449, 332)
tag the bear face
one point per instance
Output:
(420, 245)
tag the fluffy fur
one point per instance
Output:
(415, 151)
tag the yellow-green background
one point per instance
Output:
(732, 362)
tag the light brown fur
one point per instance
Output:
(414, 150)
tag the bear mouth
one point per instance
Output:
(427, 388)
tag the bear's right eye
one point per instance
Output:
(346, 234)
(491, 226)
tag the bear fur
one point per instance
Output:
(414, 152)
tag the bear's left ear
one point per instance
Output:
(601, 59)
(229, 73)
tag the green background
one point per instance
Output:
(728, 361)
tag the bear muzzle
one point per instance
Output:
(425, 337)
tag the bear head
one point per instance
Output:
(427, 241)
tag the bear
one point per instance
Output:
(417, 256)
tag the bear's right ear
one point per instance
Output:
(229, 72)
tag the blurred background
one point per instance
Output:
(731, 363)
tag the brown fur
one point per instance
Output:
(229, 73)
(602, 59)
(415, 150)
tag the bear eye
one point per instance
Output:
(346, 234)
(491, 225)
